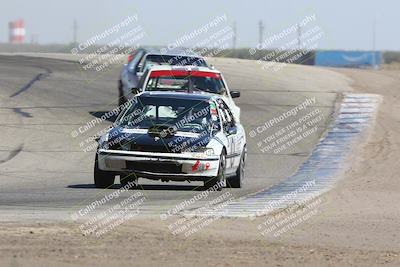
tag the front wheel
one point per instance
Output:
(217, 182)
(237, 180)
(102, 179)
(121, 97)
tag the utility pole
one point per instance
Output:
(261, 32)
(374, 54)
(234, 35)
(75, 32)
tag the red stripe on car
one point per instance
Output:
(175, 73)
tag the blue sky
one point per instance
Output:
(346, 24)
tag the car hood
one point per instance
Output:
(133, 139)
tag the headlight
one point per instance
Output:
(204, 150)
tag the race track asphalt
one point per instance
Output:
(46, 175)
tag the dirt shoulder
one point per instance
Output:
(147, 242)
(356, 224)
(362, 211)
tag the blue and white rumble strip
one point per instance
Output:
(320, 171)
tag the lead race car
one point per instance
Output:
(172, 136)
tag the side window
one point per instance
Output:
(141, 65)
(226, 114)
(224, 119)
(135, 60)
(229, 115)
(143, 79)
(216, 118)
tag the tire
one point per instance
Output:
(125, 179)
(237, 180)
(221, 174)
(121, 97)
(102, 179)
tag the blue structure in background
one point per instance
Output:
(350, 59)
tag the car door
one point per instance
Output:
(129, 77)
(230, 130)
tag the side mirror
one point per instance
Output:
(235, 94)
(138, 67)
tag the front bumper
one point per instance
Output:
(170, 166)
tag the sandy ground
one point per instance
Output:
(362, 211)
(356, 225)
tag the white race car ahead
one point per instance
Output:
(173, 136)
(187, 79)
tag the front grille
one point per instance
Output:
(162, 148)
(123, 145)
(154, 166)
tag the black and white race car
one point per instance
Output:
(173, 136)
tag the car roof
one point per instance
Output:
(186, 68)
(178, 51)
(201, 96)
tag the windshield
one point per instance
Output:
(184, 81)
(152, 60)
(181, 114)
